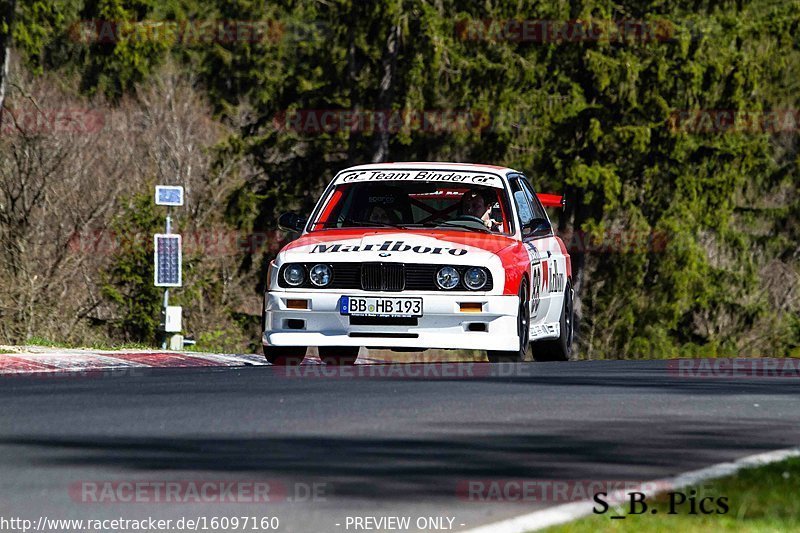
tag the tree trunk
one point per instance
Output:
(6, 20)
(380, 151)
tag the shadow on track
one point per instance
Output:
(407, 469)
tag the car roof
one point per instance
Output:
(435, 165)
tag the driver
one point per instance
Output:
(473, 204)
(383, 215)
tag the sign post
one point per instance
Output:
(168, 262)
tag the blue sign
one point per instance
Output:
(169, 195)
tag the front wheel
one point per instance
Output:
(523, 333)
(559, 349)
(285, 355)
(338, 355)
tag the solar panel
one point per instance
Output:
(169, 195)
(167, 258)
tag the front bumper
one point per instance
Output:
(442, 325)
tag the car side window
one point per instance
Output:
(520, 199)
(536, 206)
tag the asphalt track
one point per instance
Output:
(388, 441)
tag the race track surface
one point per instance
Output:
(388, 441)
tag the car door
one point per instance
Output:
(553, 262)
(527, 210)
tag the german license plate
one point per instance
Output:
(358, 306)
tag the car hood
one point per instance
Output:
(428, 246)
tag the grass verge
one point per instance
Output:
(759, 499)
(41, 341)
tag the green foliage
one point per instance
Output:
(759, 498)
(591, 118)
(36, 25)
(41, 341)
(128, 284)
(221, 341)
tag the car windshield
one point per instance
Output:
(421, 204)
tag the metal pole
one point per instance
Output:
(164, 314)
(166, 290)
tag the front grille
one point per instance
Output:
(383, 277)
(378, 334)
(422, 278)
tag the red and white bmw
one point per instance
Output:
(417, 256)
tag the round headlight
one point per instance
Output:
(320, 275)
(294, 275)
(447, 278)
(475, 278)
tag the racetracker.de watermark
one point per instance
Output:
(543, 31)
(734, 368)
(615, 241)
(226, 243)
(32, 120)
(57, 374)
(25, 118)
(209, 243)
(208, 491)
(372, 121)
(727, 121)
(550, 490)
(466, 370)
(176, 33)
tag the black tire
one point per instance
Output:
(523, 332)
(338, 355)
(285, 355)
(559, 349)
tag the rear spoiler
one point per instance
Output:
(552, 200)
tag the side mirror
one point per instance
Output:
(291, 222)
(538, 227)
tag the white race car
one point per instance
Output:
(422, 255)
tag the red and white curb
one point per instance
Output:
(22, 360)
(77, 361)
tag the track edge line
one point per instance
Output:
(568, 512)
